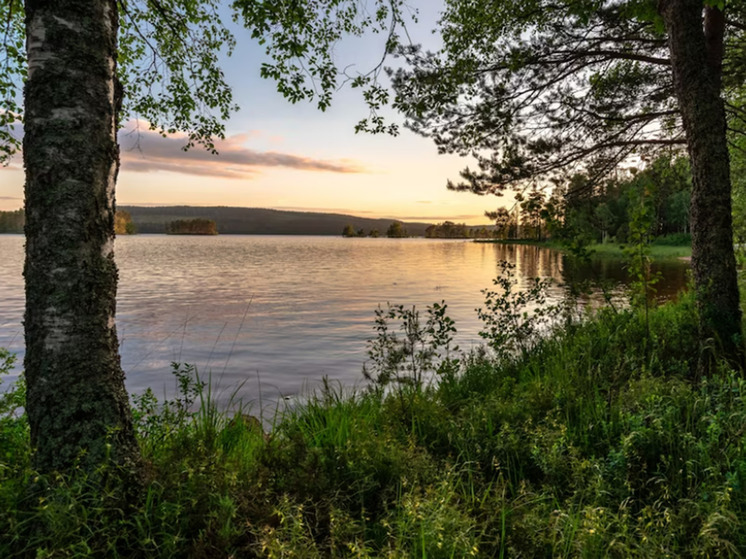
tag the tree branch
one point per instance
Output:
(617, 55)
(733, 23)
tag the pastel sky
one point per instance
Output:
(283, 156)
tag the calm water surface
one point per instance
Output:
(279, 313)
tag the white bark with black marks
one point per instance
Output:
(76, 401)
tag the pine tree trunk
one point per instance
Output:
(696, 47)
(76, 401)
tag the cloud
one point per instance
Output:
(15, 163)
(145, 150)
(146, 165)
(10, 198)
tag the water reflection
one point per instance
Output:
(279, 313)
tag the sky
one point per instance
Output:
(294, 157)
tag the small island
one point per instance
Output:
(197, 226)
(12, 222)
(123, 224)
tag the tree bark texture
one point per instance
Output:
(77, 405)
(695, 37)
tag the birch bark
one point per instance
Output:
(77, 405)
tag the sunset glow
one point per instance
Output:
(293, 157)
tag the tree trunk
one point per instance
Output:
(696, 47)
(76, 403)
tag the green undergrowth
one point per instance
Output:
(663, 248)
(593, 442)
(656, 251)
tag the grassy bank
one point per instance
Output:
(609, 250)
(656, 252)
(591, 443)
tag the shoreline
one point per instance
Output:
(605, 250)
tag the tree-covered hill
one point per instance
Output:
(260, 221)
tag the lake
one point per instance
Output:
(275, 314)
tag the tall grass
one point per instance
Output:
(583, 445)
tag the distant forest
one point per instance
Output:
(445, 230)
(654, 199)
(196, 226)
(258, 221)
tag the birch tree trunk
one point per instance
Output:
(695, 36)
(76, 401)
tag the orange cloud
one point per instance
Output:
(144, 150)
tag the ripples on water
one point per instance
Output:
(279, 313)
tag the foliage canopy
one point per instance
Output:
(167, 67)
(543, 89)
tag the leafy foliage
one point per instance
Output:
(405, 357)
(738, 177)
(448, 230)
(195, 226)
(157, 421)
(168, 69)
(12, 71)
(12, 221)
(396, 230)
(13, 424)
(300, 39)
(577, 213)
(642, 287)
(13, 399)
(123, 224)
(544, 89)
(168, 66)
(515, 319)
